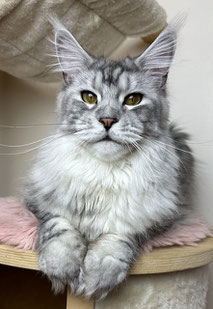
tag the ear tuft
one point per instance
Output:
(158, 57)
(71, 56)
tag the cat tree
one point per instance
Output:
(170, 277)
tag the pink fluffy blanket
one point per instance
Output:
(18, 227)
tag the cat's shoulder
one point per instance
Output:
(181, 142)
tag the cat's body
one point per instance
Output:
(113, 175)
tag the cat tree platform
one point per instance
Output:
(181, 264)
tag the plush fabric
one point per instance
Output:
(18, 227)
(100, 26)
(188, 233)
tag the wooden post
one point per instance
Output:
(160, 260)
(78, 302)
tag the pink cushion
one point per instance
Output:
(18, 227)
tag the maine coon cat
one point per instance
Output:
(116, 172)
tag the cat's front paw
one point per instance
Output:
(61, 263)
(100, 275)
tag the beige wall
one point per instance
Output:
(3, 139)
(191, 96)
(23, 103)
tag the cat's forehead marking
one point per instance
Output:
(98, 79)
(107, 72)
(123, 81)
(111, 75)
(116, 73)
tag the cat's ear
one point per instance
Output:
(71, 56)
(158, 57)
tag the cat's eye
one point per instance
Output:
(133, 99)
(89, 97)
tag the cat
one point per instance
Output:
(116, 173)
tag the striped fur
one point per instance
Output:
(100, 194)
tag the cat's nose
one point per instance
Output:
(108, 122)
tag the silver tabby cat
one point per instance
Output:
(116, 172)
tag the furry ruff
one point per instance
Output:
(18, 227)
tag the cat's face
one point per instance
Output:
(112, 106)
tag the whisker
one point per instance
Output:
(18, 153)
(142, 151)
(176, 148)
(189, 141)
(23, 126)
(32, 149)
(137, 147)
(55, 56)
(25, 145)
(165, 144)
(127, 145)
(53, 65)
(174, 155)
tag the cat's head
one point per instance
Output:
(112, 106)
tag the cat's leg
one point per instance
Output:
(106, 264)
(61, 252)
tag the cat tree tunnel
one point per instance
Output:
(170, 277)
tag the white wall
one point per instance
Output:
(191, 97)
(191, 91)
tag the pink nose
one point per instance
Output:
(108, 122)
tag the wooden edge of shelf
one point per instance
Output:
(160, 260)
(175, 258)
(12, 256)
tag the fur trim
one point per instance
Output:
(18, 227)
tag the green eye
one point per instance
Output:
(89, 97)
(133, 99)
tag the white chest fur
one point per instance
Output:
(120, 197)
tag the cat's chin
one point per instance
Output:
(108, 150)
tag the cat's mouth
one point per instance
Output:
(108, 139)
